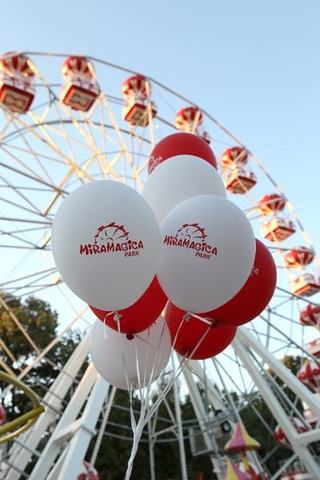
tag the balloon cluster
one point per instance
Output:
(181, 248)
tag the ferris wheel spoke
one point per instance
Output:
(21, 207)
(49, 143)
(35, 179)
(27, 243)
(39, 164)
(118, 131)
(26, 170)
(21, 195)
(25, 277)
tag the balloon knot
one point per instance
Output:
(130, 336)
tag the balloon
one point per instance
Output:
(183, 177)
(106, 244)
(254, 296)
(140, 360)
(208, 253)
(193, 338)
(138, 316)
(181, 144)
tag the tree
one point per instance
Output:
(26, 328)
(38, 321)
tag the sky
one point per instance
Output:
(253, 65)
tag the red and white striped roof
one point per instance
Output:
(309, 375)
(241, 441)
(234, 156)
(299, 257)
(310, 315)
(189, 118)
(281, 438)
(271, 203)
(12, 64)
(136, 86)
(78, 66)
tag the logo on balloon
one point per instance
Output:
(192, 236)
(254, 271)
(154, 161)
(112, 238)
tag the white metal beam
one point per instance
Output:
(182, 453)
(200, 412)
(272, 402)
(53, 447)
(79, 444)
(277, 366)
(53, 400)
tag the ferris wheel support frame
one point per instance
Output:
(75, 434)
(71, 433)
(199, 409)
(182, 453)
(53, 401)
(79, 444)
(299, 441)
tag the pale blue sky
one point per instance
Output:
(253, 65)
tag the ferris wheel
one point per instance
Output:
(68, 120)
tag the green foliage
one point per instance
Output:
(38, 321)
(35, 319)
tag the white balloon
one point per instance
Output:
(106, 244)
(140, 360)
(208, 253)
(184, 176)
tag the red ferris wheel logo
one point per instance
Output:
(191, 231)
(192, 236)
(111, 232)
(112, 238)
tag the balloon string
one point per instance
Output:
(116, 316)
(176, 374)
(144, 390)
(208, 321)
(183, 361)
(108, 314)
(143, 340)
(177, 333)
(147, 409)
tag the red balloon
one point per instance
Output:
(193, 338)
(254, 296)
(140, 315)
(181, 144)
